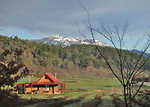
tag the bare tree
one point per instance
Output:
(129, 68)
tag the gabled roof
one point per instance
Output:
(51, 77)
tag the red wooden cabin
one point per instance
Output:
(47, 84)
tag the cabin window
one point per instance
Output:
(46, 77)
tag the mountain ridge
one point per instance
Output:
(67, 41)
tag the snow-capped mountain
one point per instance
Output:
(67, 41)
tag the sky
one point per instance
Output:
(34, 19)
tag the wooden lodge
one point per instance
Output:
(47, 84)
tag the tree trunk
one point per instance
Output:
(125, 96)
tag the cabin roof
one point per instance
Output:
(49, 75)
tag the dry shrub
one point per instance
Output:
(118, 102)
(141, 101)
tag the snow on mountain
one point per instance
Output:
(67, 41)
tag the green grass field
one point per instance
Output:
(85, 88)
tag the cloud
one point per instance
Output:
(63, 16)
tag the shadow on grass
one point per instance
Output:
(59, 102)
(8, 100)
(93, 103)
(12, 100)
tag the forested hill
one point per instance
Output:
(66, 61)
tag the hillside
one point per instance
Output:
(74, 60)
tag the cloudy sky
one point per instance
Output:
(32, 19)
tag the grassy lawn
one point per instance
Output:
(89, 84)
(80, 87)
